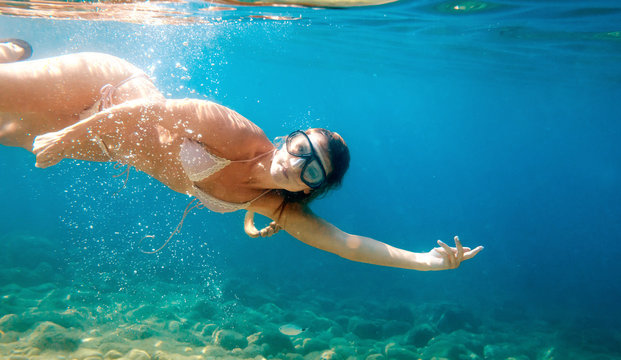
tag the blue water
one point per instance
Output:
(499, 125)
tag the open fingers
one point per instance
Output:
(446, 248)
(469, 254)
(460, 249)
(449, 255)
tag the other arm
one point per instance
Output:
(121, 128)
(144, 133)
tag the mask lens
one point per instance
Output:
(298, 144)
(313, 174)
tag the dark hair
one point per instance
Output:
(339, 159)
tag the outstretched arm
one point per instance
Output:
(305, 226)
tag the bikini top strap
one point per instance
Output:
(107, 91)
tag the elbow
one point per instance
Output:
(350, 248)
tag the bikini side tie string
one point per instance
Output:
(193, 204)
(117, 166)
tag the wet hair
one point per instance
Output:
(338, 153)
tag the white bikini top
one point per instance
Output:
(200, 164)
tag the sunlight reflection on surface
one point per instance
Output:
(137, 12)
(152, 12)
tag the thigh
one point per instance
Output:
(20, 129)
(60, 86)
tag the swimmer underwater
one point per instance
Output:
(97, 107)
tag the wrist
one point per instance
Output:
(427, 262)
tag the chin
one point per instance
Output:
(280, 181)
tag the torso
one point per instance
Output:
(222, 131)
(57, 101)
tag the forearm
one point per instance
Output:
(108, 135)
(367, 250)
(316, 232)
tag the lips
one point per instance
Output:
(284, 172)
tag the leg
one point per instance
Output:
(41, 96)
(61, 85)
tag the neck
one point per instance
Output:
(259, 176)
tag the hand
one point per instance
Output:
(270, 229)
(49, 148)
(252, 231)
(446, 257)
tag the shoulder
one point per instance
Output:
(219, 118)
(203, 111)
(223, 130)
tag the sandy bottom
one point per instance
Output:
(43, 316)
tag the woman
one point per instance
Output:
(97, 107)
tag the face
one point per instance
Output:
(287, 168)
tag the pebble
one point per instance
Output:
(395, 352)
(112, 355)
(18, 357)
(420, 335)
(137, 354)
(229, 339)
(313, 344)
(51, 336)
(273, 341)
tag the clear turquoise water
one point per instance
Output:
(499, 125)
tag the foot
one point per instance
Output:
(12, 50)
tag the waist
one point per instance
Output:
(136, 86)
